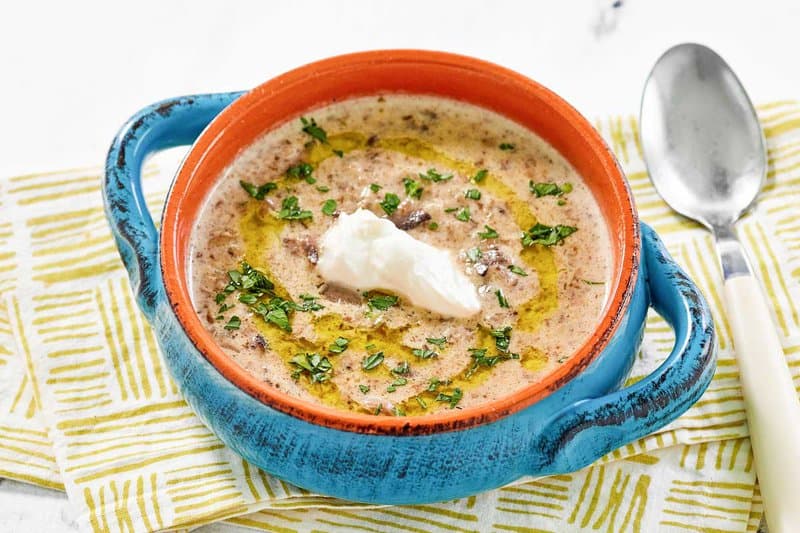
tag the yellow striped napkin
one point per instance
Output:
(86, 404)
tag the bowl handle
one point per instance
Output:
(589, 429)
(166, 124)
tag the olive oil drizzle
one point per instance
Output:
(261, 230)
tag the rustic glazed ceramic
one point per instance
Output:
(566, 421)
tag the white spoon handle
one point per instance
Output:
(770, 399)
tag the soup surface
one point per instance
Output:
(516, 218)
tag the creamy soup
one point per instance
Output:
(517, 220)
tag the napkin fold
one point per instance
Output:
(86, 404)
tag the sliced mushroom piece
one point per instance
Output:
(335, 293)
(411, 219)
(303, 246)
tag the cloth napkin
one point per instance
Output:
(86, 404)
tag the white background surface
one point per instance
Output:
(72, 72)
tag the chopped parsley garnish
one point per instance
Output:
(310, 127)
(323, 188)
(329, 207)
(480, 359)
(399, 382)
(301, 170)
(517, 270)
(390, 203)
(434, 383)
(339, 345)
(480, 175)
(488, 233)
(507, 146)
(338, 153)
(317, 368)
(549, 189)
(424, 353)
(402, 368)
(290, 210)
(378, 409)
(382, 302)
(260, 191)
(233, 323)
(398, 412)
(501, 299)
(421, 401)
(438, 341)
(413, 188)
(372, 361)
(257, 292)
(561, 201)
(547, 235)
(363, 388)
(433, 226)
(374, 187)
(474, 255)
(463, 214)
(502, 338)
(473, 194)
(434, 176)
(452, 398)
(451, 210)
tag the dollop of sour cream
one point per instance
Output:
(363, 252)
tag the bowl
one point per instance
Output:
(572, 417)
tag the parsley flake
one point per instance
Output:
(363, 388)
(547, 235)
(452, 398)
(374, 187)
(473, 194)
(424, 353)
(390, 203)
(329, 207)
(517, 270)
(463, 214)
(549, 189)
(260, 191)
(290, 210)
(311, 128)
(438, 341)
(301, 170)
(413, 188)
(382, 302)
(339, 345)
(506, 147)
(234, 323)
(434, 176)
(480, 176)
(372, 361)
(317, 368)
(433, 226)
(488, 233)
(501, 299)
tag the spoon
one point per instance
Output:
(705, 154)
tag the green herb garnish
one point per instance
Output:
(502, 338)
(260, 191)
(433, 226)
(452, 398)
(473, 194)
(421, 401)
(372, 361)
(517, 270)
(463, 214)
(382, 302)
(480, 359)
(438, 341)
(301, 170)
(547, 235)
(549, 189)
(374, 187)
(480, 176)
(424, 353)
(451, 210)
(390, 203)
(363, 388)
(338, 153)
(329, 207)
(310, 127)
(488, 233)
(233, 323)
(501, 299)
(434, 176)
(402, 368)
(507, 146)
(434, 384)
(318, 369)
(399, 382)
(290, 210)
(323, 188)
(339, 345)
(413, 188)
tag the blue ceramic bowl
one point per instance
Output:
(578, 418)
